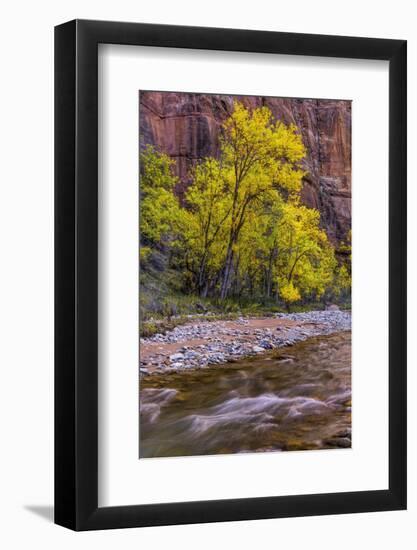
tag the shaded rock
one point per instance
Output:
(342, 442)
(176, 356)
(265, 344)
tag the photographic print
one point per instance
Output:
(244, 274)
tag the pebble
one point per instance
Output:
(176, 356)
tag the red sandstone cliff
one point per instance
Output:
(187, 127)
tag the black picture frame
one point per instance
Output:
(76, 271)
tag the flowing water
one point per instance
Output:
(290, 399)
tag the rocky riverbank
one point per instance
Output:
(202, 344)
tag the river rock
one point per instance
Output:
(190, 354)
(221, 343)
(177, 365)
(345, 433)
(265, 344)
(342, 442)
(176, 357)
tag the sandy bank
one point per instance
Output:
(201, 344)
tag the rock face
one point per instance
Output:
(187, 127)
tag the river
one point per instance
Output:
(293, 398)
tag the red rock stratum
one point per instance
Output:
(187, 127)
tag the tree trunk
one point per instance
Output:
(201, 275)
(227, 272)
(204, 292)
(271, 259)
(277, 293)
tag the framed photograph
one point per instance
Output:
(230, 244)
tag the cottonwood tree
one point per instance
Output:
(241, 230)
(205, 221)
(306, 262)
(260, 157)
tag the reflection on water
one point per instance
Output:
(291, 399)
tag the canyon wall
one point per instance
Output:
(187, 127)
